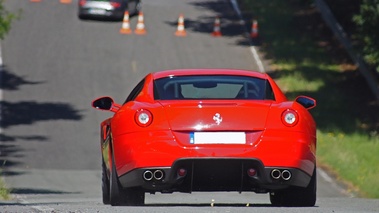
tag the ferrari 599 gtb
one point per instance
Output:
(208, 130)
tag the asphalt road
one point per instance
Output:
(54, 65)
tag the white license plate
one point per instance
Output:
(97, 11)
(218, 138)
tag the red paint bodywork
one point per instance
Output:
(167, 138)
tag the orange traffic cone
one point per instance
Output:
(125, 28)
(180, 31)
(254, 29)
(217, 28)
(140, 29)
(65, 1)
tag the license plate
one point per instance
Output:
(97, 11)
(218, 138)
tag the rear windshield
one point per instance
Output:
(212, 87)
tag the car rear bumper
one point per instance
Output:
(161, 149)
(215, 174)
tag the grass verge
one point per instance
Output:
(4, 192)
(306, 59)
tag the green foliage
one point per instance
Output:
(354, 151)
(4, 192)
(6, 19)
(367, 22)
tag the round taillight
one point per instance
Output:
(143, 117)
(82, 2)
(116, 4)
(290, 117)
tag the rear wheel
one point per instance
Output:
(105, 185)
(134, 196)
(296, 196)
(138, 6)
(134, 7)
(115, 188)
(124, 197)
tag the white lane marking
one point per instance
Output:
(332, 182)
(256, 57)
(252, 48)
(324, 175)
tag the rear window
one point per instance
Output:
(212, 87)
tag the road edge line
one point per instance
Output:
(253, 50)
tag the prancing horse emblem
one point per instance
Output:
(217, 118)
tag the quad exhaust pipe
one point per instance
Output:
(158, 174)
(284, 174)
(149, 175)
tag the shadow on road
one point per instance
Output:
(10, 81)
(25, 113)
(24, 191)
(230, 23)
(29, 112)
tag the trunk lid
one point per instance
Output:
(216, 115)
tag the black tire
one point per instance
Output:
(105, 185)
(134, 196)
(124, 197)
(82, 17)
(116, 197)
(138, 7)
(296, 196)
(276, 198)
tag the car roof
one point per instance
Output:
(183, 72)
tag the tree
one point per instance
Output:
(6, 19)
(367, 22)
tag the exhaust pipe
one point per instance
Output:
(148, 175)
(276, 174)
(158, 174)
(286, 175)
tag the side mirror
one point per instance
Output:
(105, 103)
(306, 102)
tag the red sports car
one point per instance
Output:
(208, 130)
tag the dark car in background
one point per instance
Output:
(107, 9)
